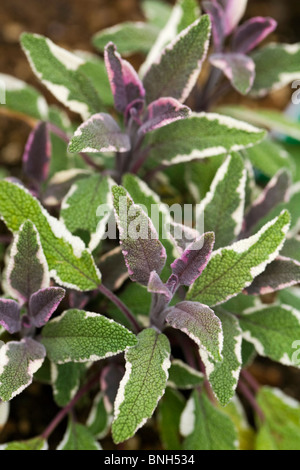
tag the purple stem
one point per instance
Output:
(242, 387)
(118, 303)
(62, 135)
(251, 380)
(64, 411)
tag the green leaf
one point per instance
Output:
(78, 336)
(183, 376)
(70, 263)
(291, 248)
(169, 411)
(99, 420)
(292, 206)
(291, 297)
(246, 433)
(280, 430)
(143, 384)
(129, 37)
(58, 69)
(204, 427)
(65, 379)
(174, 73)
(94, 68)
(87, 207)
(183, 14)
(27, 269)
(22, 98)
(37, 443)
(272, 331)
(276, 66)
(19, 360)
(223, 376)
(223, 206)
(156, 12)
(100, 133)
(232, 269)
(269, 157)
(199, 136)
(78, 437)
(269, 119)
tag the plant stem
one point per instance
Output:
(118, 303)
(64, 411)
(242, 387)
(251, 380)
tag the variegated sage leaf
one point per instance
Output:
(79, 336)
(143, 384)
(223, 205)
(100, 133)
(232, 269)
(199, 136)
(200, 323)
(204, 427)
(142, 250)
(70, 262)
(87, 207)
(19, 360)
(59, 71)
(223, 376)
(27, 270)
(176, 71)
(273, 331)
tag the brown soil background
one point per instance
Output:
(71, 24)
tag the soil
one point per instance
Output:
(71, 24)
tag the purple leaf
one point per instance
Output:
(10, 315)
(162, 112)
(182, 235)
(141, 248)
(234, 11)
(281, 273)
(200, 323)
(216, 13)
(238, 68)
(43, 303)
(194, 259)
(156, 286)
(36, 157)
(124, 81)
(274, 193)
(252, 33)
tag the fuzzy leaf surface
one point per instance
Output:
(79, 336)
(176, 71)
(143, 384)
(223, 205)
(199, 136)
(70, 263)
(142, 250)
(234, 268)
(19, 360)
